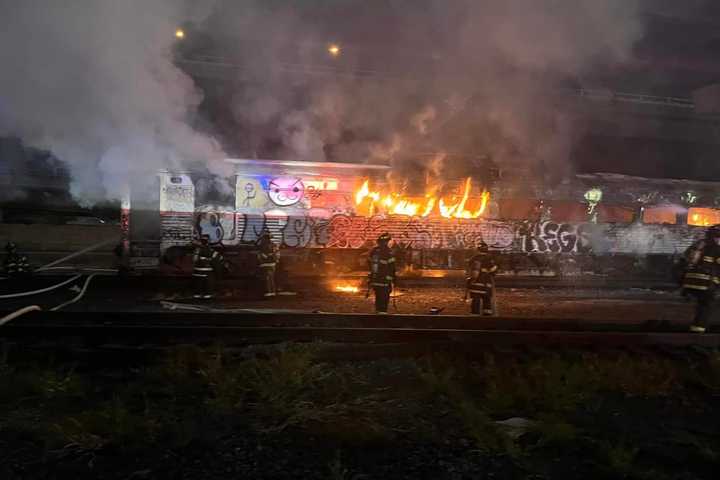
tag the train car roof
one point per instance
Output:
(305, 164)
(658, 182)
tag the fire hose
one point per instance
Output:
(76, 254)
(17, 313)
(79, 295)
(52, 266)
(36, 308)
(42, 290)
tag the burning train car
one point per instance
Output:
(332, 212)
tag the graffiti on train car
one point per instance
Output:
(552, 237)
(319, 212)
(217, 222)
(350, 231)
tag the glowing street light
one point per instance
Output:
(334, 49)
(180, 33)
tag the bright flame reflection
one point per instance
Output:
(396, 204)
(346, 289)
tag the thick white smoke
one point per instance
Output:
(493, 64)
(93, 81)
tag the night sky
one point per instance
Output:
(674, 54)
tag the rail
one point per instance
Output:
(121, 336)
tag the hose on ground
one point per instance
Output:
(82, 269)
(36, 308)
(78, 297)
(17, 313)
(42, 290)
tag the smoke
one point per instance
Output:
(431, 76)
(93, 81)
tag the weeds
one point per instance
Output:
(552, 431)
(193, 394)
(619, 457)
(291, 390)
(440, 378)
(647, 376)
(338, 471)
(112, 423)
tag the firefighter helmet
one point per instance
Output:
(384, 238)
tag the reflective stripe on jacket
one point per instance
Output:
(205, 260)
(381, 263)
(703, 272)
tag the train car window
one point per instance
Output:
(614, 214)
(666, 215)
(703, 217)
(516, 208)
(214, 191)
(568, 212)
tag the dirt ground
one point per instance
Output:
(601, 305)
(593, 304)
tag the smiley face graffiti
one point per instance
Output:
(286, 191)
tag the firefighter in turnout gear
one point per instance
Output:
(481, 281)
(206, 261)
(702, 277)
(268, 257)
(382, 272)
(15, 264)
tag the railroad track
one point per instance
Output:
(163, 329)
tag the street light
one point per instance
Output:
(334, 49)
(180, 33)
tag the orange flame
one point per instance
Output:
(700, 220)
(346, 288)
(703, 217)
(396, 204)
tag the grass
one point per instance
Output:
(441, 378)
(620, 457)
(338, 471)
(200, 395)
(547, 390)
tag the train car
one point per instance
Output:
(326, 213)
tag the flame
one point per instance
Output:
(346, 288)
(700, 220)
(703, 217)
(396, 204)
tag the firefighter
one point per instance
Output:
(15, 264)
(205, 265)
(702, 276)
(382, 273)
(268, 257)
(481, 281)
